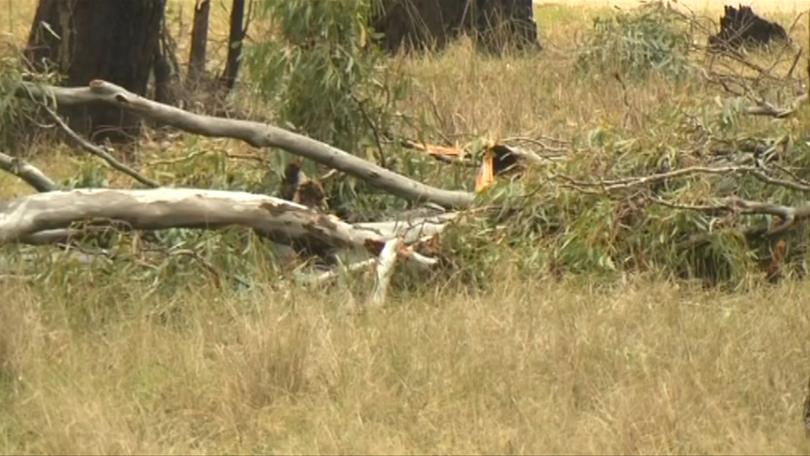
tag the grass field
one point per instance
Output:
(770, 6)
(97, 359)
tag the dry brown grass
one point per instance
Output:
(643, 368)
(90, 363)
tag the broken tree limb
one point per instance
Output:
(256, 134)
(790, 215)
(42, 216)
(27, 172)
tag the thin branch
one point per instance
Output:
(27, 172)
(630, 182)
(100, 152)
(764, 108)
(789, 215)
(780, 182)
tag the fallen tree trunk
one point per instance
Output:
(256, 134)
(282, 221)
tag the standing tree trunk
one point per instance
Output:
(199, 40)
(166, 70)
(235, 37)
(98, 39)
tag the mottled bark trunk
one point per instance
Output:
(98, 39)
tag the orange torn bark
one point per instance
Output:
(486, 174)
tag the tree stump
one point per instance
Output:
(740, 26)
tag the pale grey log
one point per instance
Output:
(23, 218)
(258, 135)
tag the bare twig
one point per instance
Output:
(764, 108)
(636, 181)
(780, 182)
(789, 215)
(100, 152)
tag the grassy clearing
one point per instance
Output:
(646, 367)
(122, 359)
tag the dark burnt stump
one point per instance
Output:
(741, 26)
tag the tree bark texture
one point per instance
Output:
(199, 41)
(89, 39)
(235, 37)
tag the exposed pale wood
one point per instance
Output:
(385, 269)
(258, 135)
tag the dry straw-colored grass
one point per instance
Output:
(89, 363)
(543, 367)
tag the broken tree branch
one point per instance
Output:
(790, 215)
(100, 152)
(27, 172)
(636, 181)
(256, 134)
(764, 108)
(23, 218)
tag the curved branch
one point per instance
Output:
(27, 172)
(258, 135)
